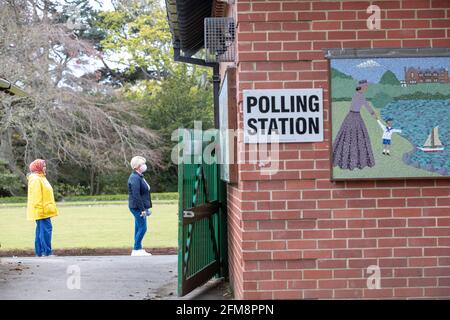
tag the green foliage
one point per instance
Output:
(389, 78)
(181, 99)
(169, 196)
(6, 200)
(139, 38)
(135, 47)
(381, 99)
(344, 89)
(341, 99)
(419, 95)
(115, 182)
(8, 180)
(64, 190)
(172, 196)
(102, 197)
(169, 95)
(335, 73)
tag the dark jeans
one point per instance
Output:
(43, 242)
(140, 228)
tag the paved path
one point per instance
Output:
(101, 278)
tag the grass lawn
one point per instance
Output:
(385, 166)
(91, 226)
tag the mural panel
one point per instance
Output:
(390, 118)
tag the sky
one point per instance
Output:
(105, 5)
(373, 69)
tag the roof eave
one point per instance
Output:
(186, 21)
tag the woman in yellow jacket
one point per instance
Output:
(41, 207)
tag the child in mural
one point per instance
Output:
(387, 134)
(352, 148)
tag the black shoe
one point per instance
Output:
(384, 153)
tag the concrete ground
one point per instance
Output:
(97, 278)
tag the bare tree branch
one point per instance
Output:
(68, 119)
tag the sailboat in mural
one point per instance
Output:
(432, 144)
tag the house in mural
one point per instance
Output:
(429, 75)
(419, 105)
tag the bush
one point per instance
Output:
(165, 196)
(107, 197)
(71, 190)
(419, 95)
(13, 200)
(8, 180)
(381, 99)
(122, 197)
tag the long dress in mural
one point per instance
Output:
(352, 148)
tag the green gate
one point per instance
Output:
(202, 242)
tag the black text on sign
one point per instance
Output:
(283, 115)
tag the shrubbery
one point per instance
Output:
(113, 197)
(63, 190)
(8, 180)
(381, 99)
(5, 200)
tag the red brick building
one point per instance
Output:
(297, 234)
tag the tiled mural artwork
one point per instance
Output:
(390, 117)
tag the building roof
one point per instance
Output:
(186, 21)
(427, 70)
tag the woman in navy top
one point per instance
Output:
(139, 202)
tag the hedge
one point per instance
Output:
(106, 197)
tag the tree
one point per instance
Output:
(335, 73)
(69, 118)
(389, 78)
(8, 181)
(170, 95)
(136, 41)
(182, 99)
(381, 99)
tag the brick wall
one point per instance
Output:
(296, 234)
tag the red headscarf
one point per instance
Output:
(37, 166)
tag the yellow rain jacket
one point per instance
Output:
(41, 202)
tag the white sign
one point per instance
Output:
(224, 137)
(289, 115)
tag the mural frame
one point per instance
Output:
(369, 53)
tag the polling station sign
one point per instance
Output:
(283, 115)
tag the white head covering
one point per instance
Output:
(136, 162)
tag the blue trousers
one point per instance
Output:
(140, 228)
(43, 242)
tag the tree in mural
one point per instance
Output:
(389, 78)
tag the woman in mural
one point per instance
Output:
(352, 148)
